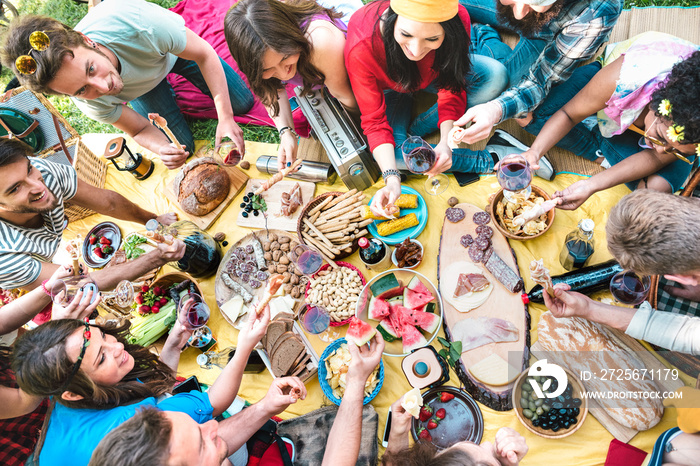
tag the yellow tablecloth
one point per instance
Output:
(588, 446)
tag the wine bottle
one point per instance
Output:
(586, 280)
(374, 254)
(220, 359)
(578, 246)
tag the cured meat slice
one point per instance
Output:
(455, 214)
(466, 240)
(480, 331)
(485, 231)
(481, 218)
(469, 283)
(291, 201)
(475, 254)
(482, 243)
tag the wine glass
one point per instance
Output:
(307, 260)
(123, 294)
(630, 288)
(194, 313)
(63, 291)
(514, 175)
(314, 318)
(420, 158)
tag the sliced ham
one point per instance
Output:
(291, 201)
(470, 283)
(479, 331)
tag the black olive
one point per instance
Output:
(557, 405)
(242, 205)
(569, 411)
(248, 208)
(575, 412)
(224, 243)
(555, 427)
(562, 412)
(553, 417)
(545, 425)
(536, 422)
(577, 402)
(246, 199)
(245, 214)
(256, 212)
(250, 194)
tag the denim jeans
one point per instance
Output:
(161, 99)
(486, 81)
(585, 141)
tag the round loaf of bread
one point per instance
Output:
(201, 186)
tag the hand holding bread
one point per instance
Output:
(253, 330)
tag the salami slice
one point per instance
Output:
(249, 249)
(245, 277)
(482, 218)
(482, 243)
(466, 240)
(487, 255)
(262, 276)
(475, 254)
(454, 214)
(485, 231)
(255, 284)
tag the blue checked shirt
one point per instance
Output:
(574, 37)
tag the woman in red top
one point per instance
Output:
(398, 47)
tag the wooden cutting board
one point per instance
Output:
(501, 304)
(238, 180)
(273, 198)
(620, 432)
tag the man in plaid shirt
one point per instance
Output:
(556, 37)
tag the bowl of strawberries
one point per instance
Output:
(448, 416)
(101, 243)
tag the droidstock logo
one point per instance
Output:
(544, 369)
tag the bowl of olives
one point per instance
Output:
(556, 417)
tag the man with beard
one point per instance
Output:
(556, 36)
(32, 196)
(121, 51)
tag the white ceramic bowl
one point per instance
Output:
(396, 263)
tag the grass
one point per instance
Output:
(70, 13)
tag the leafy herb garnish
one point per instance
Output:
(131, 248)
(259, 203)
(450, 351)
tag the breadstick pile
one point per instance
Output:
(333, 225)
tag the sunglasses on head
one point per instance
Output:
(657, 142)
(39, 41)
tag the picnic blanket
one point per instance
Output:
(587, 447)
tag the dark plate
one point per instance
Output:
(463, 421)
(110, 231)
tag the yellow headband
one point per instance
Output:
(426, 11)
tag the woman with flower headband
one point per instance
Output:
(648, 127)
(98, 380)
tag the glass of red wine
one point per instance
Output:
(514, 175)
(314, 318)
(307, 260)
(63, 291)
(193, 313)
(420, 158)
(630, 288)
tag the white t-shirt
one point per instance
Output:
(23, 249)
(145, 38)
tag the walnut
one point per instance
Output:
(220, 236)
(286, 277)
(245, 165)
(284, 260)
(271, 268)
(294, 280)
(284, 239)
(272, 237)
(284, 247)
(268, 256)
(274, 246)
(281, 268)
(288, 288)
(276, 255)
(453, 201)
(295, 292)
(266, 246)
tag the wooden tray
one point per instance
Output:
(620, 432)
(273, 197)
(238, 180)
(501, 303)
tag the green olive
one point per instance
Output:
(531, 406)
(546, 408)
(526, 387)
(539, 411)
(539, 402)
(524, 402)
(527, 413)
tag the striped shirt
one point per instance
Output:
(573, 37)
(22, 250)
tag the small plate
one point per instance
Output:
(110, 231)
(421, 212)
(463, 421)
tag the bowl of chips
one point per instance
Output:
(504, 211)
(333, 369)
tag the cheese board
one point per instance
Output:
(238, 181)
(497, 305)
(273, 199)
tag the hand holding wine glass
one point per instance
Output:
(194, 313)
(420, 158)
(514, 175)
(78, 308)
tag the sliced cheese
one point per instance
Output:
(233, 308)
(281, 304)
(494, 370)
(412, 401)
(448, 284)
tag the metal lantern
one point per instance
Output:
(124, 160)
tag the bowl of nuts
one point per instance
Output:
(523, 219)
(408, 254)
(336, 289)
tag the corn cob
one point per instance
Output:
(367, 213)
(407, 201)
(392, 226)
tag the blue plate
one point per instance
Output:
(421, 212)
(322, 373)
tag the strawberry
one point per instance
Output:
(155, 310)
(107, 249)
(432, 424)
(163, 301)
(92, 239)
(445, 397)
(139, 298)
(157, 291)
(105, 240)
(144, 288)
(145, 308)
(441, 413)
(98, 253)
(426, 413)
(424, 435)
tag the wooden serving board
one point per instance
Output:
(620, 432)
(501, 304)
(273, 198)
(238, 180)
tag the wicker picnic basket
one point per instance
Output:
(62, 142)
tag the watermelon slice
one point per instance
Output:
(415, 300)
(416, 285)
(386, 330)
(392, 293)
(412, 339)
(359, 332)
(384, 284)
(430, 307)
(378, 309)
(398, 318)
(425, 320)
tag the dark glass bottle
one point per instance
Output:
(578, 246)
(586, 280)
(374, 254)
(220, 359)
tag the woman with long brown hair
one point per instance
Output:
(295, 42)
(98, 380)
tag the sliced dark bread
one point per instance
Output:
(274, 330)
(301, 367)
(285, 354)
